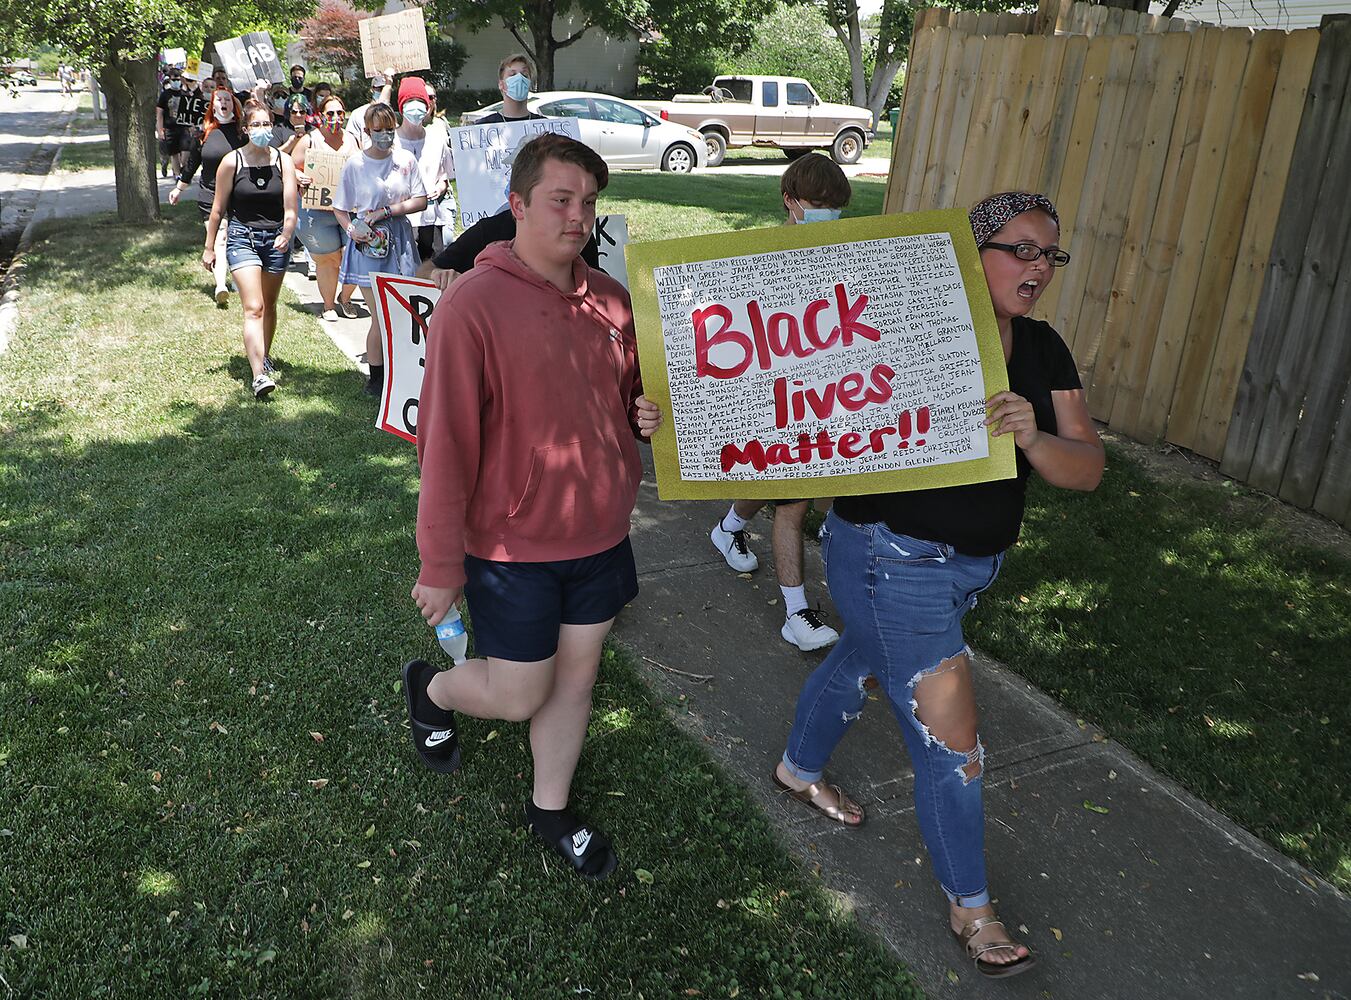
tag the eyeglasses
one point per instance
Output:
(1030, 251)
(334, 116)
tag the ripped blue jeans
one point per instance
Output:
(902, 600)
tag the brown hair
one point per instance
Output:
(528, 166)
(329, 100)
(816, 178)
(381, 112)
(516, 57)
(251, 107)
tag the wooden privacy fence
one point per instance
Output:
(1168, 148)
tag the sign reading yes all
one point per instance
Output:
(402, 310)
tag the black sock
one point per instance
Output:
(550, 824)
(377, 374)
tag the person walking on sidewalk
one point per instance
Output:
(319, 229)
(221, 136)
(256, 190)
(527, 429)
(378, 190)
(429, 148)
(904, 568)
(813, 189)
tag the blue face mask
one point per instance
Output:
(817, 214)
(415, 112)
(518, 86)
(382, 139)
(260, 136)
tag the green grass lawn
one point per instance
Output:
(206, 787)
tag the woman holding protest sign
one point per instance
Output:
(319, 230)
(904, 568)
(256, 189)
(221, 136)
(378, 191)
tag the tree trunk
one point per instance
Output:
(130, 89)
(884, 74)
(541, 22)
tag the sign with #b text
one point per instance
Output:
(323, 166)
(831, 359)
(250, 58)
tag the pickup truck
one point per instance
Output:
(777, 111)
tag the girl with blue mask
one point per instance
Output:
(428, 146)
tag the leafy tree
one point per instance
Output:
(685, 57)
(119, 40)
(330, 36)
(876, 58)
(795, 40)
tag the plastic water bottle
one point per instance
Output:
(452, 636)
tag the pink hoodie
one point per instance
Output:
(526, 423)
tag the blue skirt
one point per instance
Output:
(396, 253)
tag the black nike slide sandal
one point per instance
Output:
(585, 848)
(434, 733)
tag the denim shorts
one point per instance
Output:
(517, 607)
(247, 247)
(320, 232)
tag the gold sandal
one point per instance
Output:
(841, 812)
(975, 952)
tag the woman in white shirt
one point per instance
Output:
(378, 190)
(429, 146)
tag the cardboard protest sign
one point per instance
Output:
(402, 308)
(612, 236)
(483, 156)
(174, 57)
(394, 41)
(323, 166)
(193, 68)
(250, 58)
(832, 359)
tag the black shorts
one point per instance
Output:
(517, 607)
(175, 141)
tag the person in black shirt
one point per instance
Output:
(514, 74)
(459, 257)
(171, 129)
(298, 84)
(904, 568)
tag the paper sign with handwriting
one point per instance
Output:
(483, 157)
(402, 308)
(822, 360)
(323, 166)
(394, 41)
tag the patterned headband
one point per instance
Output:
(998, 210)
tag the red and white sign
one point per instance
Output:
(402, 308)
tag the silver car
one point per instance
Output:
(626, 136)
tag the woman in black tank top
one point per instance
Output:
(256, 190)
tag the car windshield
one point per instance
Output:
(739, 89)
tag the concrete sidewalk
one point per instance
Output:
(1159, 897)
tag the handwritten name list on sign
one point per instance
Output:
(394, 41)
(856, 365)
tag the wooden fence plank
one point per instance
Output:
(1097, 20)
(1112, 25)
(945, 195)
(1307, 337)
(1047, 179)
(1109, 222)
(1327, 379)
(943, 122)
(965, 21)
(1157, 270)
(903, 148)
(1013, 141)
(1334, 489)
(987, 23)
(926, 109)
(1191, 243)
(1078, 144)
(1036, 125)
(1121, 335)
(1322, 102)
(1130, 23)
(984, 138)
(1007, 23)
(1097, 174)
(1243, 147)
(1259, 229)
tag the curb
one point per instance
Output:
(9, 302)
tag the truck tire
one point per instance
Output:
(796, 152)
(679, 158)
(848, 146)
(717, 147)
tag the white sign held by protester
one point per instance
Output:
(483, 157)
(612, 236)
(175, 57)
(250, 58)
(394, 41)
(402, 308)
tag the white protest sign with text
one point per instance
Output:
(250, 58)
(394, 41)
(175, 57)
(612, 236)
(323, 166)
(402, 308)
(483, 158)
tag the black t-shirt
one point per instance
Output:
(172, 103)
(981, 519)
(497, 117)
(193, 110)
(461, 254)
(224, 139)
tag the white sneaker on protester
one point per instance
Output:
(807, 630)
(732, 545)
(262, 387)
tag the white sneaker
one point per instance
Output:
(262, 386)
(732, 545)
(329, 315)
(807, 630)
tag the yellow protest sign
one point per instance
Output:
(832, 359)
(394, 41)
(323, 166)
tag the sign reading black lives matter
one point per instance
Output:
(250, 58)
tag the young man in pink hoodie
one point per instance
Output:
(527, 426)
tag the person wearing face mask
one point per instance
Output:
(175, 138)
(381, 93)
(812, 189)
(318, 229)
(298, 83)
(429, 148)
(514, 74)
(378, 190)
(203, 101)
(221, 136)
(256, 191)
(322, 92)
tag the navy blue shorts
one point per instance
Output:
(517, 607)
